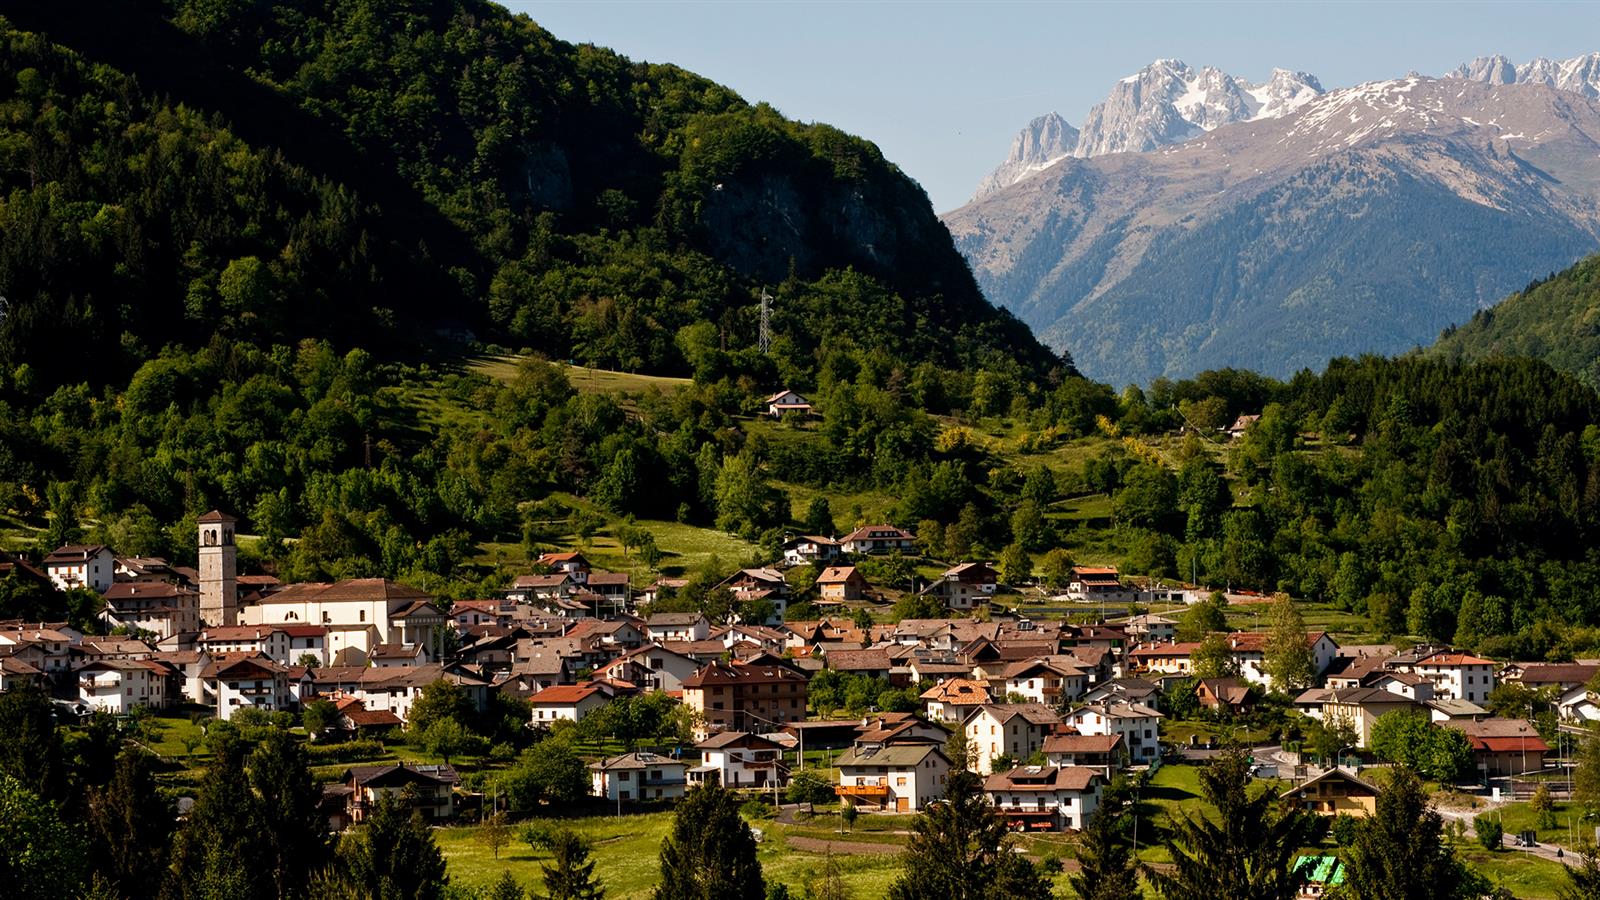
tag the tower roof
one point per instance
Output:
(214, 517)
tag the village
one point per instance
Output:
(1052, 710)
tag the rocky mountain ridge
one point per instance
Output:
(1365, 220)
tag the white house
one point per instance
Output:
(566, 701)
(46, 648)
(1459, 676)
(893, 778)
(664, 627)
(1045, 798)
(810, 548)
(639, 776)
(1051, 680)
(119, 685)
(157, 607)
(953, 700)
(740, 759)
(1138, 725)
(358, 613)
(238, 682)
(1151, 628)
(1249, 652)
(1017, 730)
(877, 539)
(786, 401)
(91, 566)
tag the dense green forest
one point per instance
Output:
(1553, 319)
(374, 173)
(210, 309)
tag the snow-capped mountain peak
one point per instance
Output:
(1044, 142)
(1168, 101)
(1580, 74)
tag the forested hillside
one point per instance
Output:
(201, 316)
(363, 170)
(1556, 319)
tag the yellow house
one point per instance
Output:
(1333, 792)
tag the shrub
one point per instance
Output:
(348, 751)
(1490, 832)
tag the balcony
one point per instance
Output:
(862, 790)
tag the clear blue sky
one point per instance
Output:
(943, 87)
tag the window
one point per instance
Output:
(363, 616)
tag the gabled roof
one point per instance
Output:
(564, 695)
(668, 620)
(1032, 713)
(1081, 743)
(642, 759)
(839, 575)
(608, 578)
(859, 660)
(384, 776)
(865, 532)
(958, 691)
(720, 673)
(1454, 659)
(1043, 778)
(737, 739)
(70, 553)
(1334, 774)
(892, 756)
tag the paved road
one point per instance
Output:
(1543, 851)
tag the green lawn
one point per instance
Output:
(1517, 818)
(627, 852)
(1527, 877)
(584, 379)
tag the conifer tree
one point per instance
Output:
(131, 825)
(958, 850)
(710, 853)
(1106, 867)
(1399, 853)
(393, 856)
(217, 854)
(506, 888)
(1244, 851)
(293, 829)
(570, 874)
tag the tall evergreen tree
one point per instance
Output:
(216, 855)
(570, 873)
(1106, 867)
(1399, 853)
(506, 888)
(710, 853)
(393, 856)
(1244, 852)
(131, 824)
(293, 830)
(958, 851)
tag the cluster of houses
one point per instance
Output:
(1049, 709)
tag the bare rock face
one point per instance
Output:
(1167, 102)
(1580, 74)
(1046, 141)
